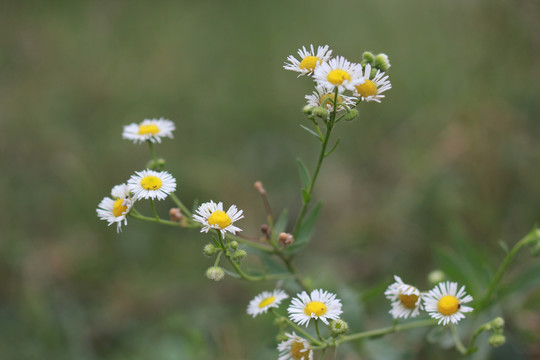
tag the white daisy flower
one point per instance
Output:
(295, 348)
(116, 210)
(338, 72)
(264, 301)
(406, 299)
(445, 302)
(318, 305)
(212, 216)
(309, 60)
(371, 90)
(323, 96)
(150, 129)
(151, 184)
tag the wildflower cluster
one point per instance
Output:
(339, 87)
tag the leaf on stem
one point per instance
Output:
(231, 273)
(280, 225)
(305, 230)
(334, 148)
(304, 173)
(311, 132)
(306, 196)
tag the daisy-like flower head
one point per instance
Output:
(445, 302)
(295, 348)
(406, 299)
(115, 210)
(150, 129)
(372, 89)
(318, 305)
(340, 73)
(151, 184)
(212, 216)
(264, 301)
(323, 96)
(309, 59)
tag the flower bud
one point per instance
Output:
(215, 273)
(496, 340)
(535, 250)
(175, 214)
(351, 114)
(156, 164)
(338, 327)
(382, 62)
(373, 73)
(368, 56)
(498, 323)
(259, 187)
(285, 239)
(239, 255)
(209, 250)
(281, 336)
(308, 109)
(320, 112)
(280, 322)
(436, 276)
(265, 229)
(234, 244)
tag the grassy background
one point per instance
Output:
(434, 177)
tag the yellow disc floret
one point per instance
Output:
(219, 218)
(267, 302)
(151, 183)
(148, 129)
(408, 301)
(119, 208)
(309, 63)
(448, 305)
(368, 88)
(337, 76)
(315, 307)
(298, 351)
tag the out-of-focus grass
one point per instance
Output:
(437, 174)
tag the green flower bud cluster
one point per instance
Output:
(496, 326)
(377, 62)
(338, 327)
(215, 273)
(156, 164)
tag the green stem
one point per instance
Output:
(298, 329)
(153, 153)
(386, 330)
(470, 348)
(457, 340)
(530, 237)
(154, 210)
(136, 215)
(317, 329)
(180, 205)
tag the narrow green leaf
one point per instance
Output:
(306, 196)
(304, 173)
(504, 246)
(311, 132)
(280, 225)
(306, 229)
(334, 148)
(232, 274)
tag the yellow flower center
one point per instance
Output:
(448, 305)
(148, 129)
(337, 76)
(118, 208)
(315, 307)
(151, 183)
(309, 63)
(368, 88)
(219, 218)
(296, 351)
(408, 301)
(328, 100)
(267, 302)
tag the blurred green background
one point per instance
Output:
(432, 178)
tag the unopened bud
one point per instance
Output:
(234, 244)
(239, 255)
(308, 109)
(320, 112)
(496, 340)
(285, 239)
(215, 273)
(498, 323)
(368, 56)
(373, 73)
(156, 164)
(259, 187)
(281, 336)
(382, 62)
(265, 229)
(175, 214)
(280, 322)
(436, 276)
(338, 327)
(535, 250)
(351, 114)
(209, 250)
